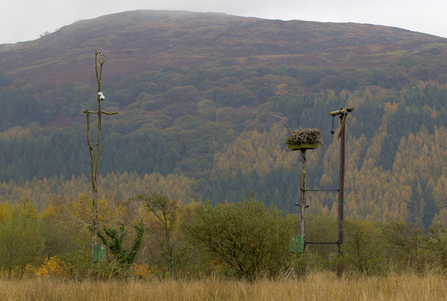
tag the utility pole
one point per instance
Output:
(341, 185)
(95, 160)
(342, 113)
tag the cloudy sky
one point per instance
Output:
(24, 20)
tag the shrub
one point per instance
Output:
(249, 238)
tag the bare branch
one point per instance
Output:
(107, 113)
(284, 123)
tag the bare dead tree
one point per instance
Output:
(95, 159)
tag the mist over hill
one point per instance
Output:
(196, 94)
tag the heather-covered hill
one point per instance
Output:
(139, 41)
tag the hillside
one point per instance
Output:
(151, 40)
(196, 94)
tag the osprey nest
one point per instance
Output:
(304, 136)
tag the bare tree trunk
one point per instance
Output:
(94, 163)
(98, 152)
(93, 179)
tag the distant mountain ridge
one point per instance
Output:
(138, 41)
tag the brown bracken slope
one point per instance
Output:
(138, 41)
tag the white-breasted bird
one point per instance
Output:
(102, 54)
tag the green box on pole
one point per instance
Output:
(99, 253)
(296, 244)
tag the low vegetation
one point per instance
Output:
(316, 286)
(153, 238)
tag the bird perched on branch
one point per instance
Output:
(102, 54)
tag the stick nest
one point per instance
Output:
(305, 136)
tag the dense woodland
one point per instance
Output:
(204, 134)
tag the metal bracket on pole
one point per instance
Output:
(342, 111)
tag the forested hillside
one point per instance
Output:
(196, 112)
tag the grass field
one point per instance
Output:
(317, 286)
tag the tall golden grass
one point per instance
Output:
(316, 286)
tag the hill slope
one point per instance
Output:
(138, 41)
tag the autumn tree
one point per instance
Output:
(165, 210)
(362, 249)
(406, 244)
(437, 244)
(21, 243)
(249, 238)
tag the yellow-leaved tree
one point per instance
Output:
(21, 243)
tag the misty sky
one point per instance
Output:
(24, 20)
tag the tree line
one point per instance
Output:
(152, 236)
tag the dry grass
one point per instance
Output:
(317, 286)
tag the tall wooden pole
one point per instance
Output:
(341, 182)
(302, 200)
(94, 161)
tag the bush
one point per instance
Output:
(363, 251)
(247, 237)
